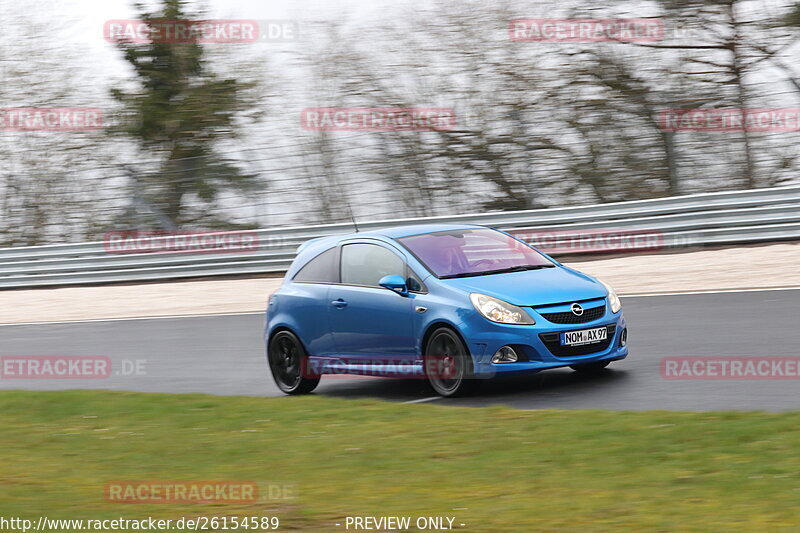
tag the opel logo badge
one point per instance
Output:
(577, 310)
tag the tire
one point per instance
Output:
(590, 368)
(288, 363)
(448, 364)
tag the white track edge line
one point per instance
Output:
(171, 317)
(715, 291)
(130, 319)
(423, 400)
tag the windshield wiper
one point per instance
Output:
(517, 268)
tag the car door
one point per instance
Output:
(308, 295)
(367, 320)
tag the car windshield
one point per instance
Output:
(473, 252)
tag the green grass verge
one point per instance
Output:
(494, 469)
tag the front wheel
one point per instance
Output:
(289, 364)
(448, 365)
(590, 368)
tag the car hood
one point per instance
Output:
(534, 287)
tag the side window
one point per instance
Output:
(366, 264)
(322, 269)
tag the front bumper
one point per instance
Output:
(484, 338)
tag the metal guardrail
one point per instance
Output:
(759, 215)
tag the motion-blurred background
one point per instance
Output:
(208, 136)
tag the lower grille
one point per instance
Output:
(569, 317)
(551, 340)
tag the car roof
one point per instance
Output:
(314, 246)
(398, 232)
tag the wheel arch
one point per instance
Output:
(436, 324)
(283, 327)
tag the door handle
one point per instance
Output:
(339, 304)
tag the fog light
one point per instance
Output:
(506, 354)
(623, 338)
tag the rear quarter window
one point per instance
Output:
(324, 268)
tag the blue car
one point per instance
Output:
(451, 304)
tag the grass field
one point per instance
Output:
(493, 469)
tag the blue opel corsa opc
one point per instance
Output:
(448, 303)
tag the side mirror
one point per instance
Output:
(396, 283)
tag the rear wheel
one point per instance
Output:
(448, 364)
(590, 368)
(288, 362)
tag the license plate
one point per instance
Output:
(584, 336)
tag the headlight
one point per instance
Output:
(613, 299)
(499, 311)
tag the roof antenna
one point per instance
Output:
(352, 214)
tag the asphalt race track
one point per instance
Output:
(225, 355)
